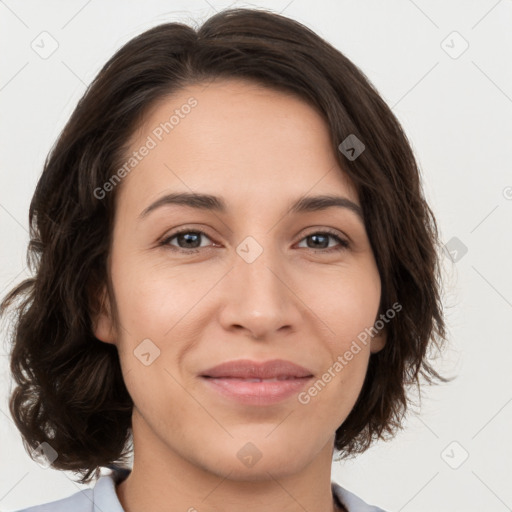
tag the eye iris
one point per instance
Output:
(190, 236)
(316, 237)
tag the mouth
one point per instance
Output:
(274, 379)
(256, 383)
(276, 369)
(256, 392)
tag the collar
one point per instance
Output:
(105, 497)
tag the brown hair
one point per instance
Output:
(69, 388)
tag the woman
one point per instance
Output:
(235, 275)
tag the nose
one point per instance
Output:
(259, 297)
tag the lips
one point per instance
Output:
(254, 371)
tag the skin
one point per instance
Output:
(258, 149)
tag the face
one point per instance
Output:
(257, 280)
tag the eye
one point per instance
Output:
(189, 241)
(319, 238)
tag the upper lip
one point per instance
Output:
(247, 369)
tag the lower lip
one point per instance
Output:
(257, 393)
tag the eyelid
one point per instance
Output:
(330, 231)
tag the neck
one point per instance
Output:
(162, 480)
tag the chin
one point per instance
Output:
(261, 471)
(253, 460)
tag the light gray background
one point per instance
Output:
(457, 112)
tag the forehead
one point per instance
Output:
(237, 139)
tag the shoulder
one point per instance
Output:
(102, 497)
(352, 502)
(81, 501)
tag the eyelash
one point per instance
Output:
(343, 244)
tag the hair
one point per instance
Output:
(69, 388)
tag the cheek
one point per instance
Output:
(159, 312)
(332, 395)
(152, 298)
(346, 304)
(346, 310)
(152, 310)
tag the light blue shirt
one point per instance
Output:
(103, 498)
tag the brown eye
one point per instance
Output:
(320, 241)
(188, 240)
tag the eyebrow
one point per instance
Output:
(217, 204)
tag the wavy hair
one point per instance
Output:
(69, 390)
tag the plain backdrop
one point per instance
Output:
(445, 69)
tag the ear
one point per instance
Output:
(101, 317)
(379, 341)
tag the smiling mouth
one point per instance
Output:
(257, 392)
(274, 379)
